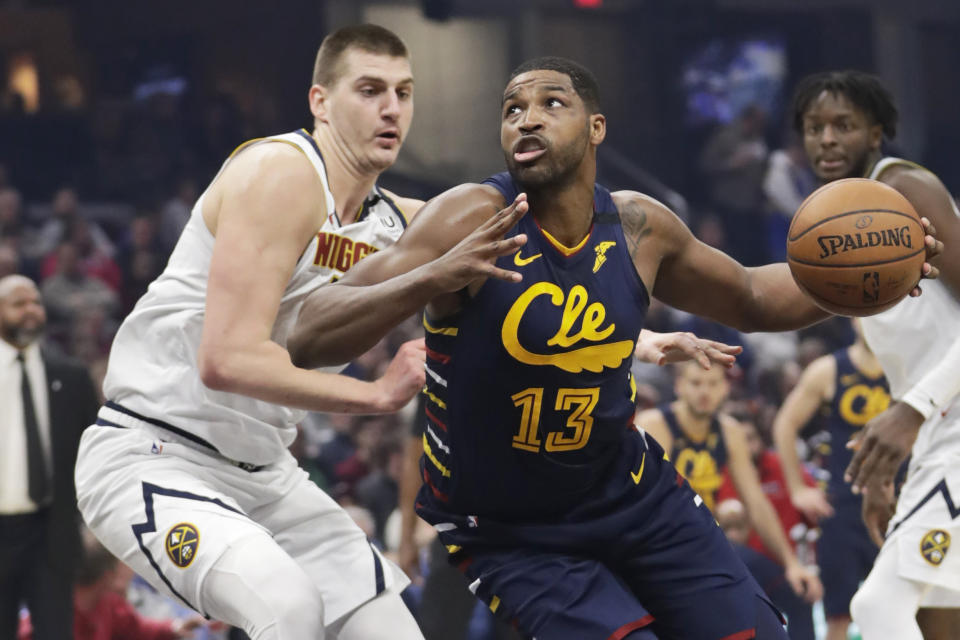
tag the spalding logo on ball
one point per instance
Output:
(855, 246)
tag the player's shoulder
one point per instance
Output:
(652, 415)
(907, 177)
(633, 203)
(407, 206)
(477, 202)
(271, 164)
(732, 430)
(824, 365)
(642, 215)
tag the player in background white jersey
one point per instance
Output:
(187, 477)
(843, 118)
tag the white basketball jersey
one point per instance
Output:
(909, 339)
(153, 367)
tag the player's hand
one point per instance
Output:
(473, 258)
(404, 377)
(882, 445)
(934, 248)
(876, 509)
(803, 581)
(664, 348)
(812, 503)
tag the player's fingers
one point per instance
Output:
(508, 216)
(870, 469)
(502, 274)
(862, 447)
(723, 347)
(928, 227)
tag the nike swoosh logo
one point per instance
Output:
(522, 262)
(636, 476)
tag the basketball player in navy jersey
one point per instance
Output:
(703, 443)
(843, 117)
(563, 517)
(849, 384)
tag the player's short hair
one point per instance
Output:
(862, 89)
(583, 81)
(370, 38)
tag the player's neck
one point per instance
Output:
(691, 424)
(349, 184)
(565, 211)
(864, 360)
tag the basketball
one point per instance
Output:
(855, 246)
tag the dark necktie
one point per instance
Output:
(39, 482)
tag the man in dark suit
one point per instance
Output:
(45, 403)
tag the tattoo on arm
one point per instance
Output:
(635, 227)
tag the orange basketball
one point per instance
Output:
(855, 246)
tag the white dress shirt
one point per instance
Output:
(14, 486)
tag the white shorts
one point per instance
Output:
(169, 510)
(926, 527)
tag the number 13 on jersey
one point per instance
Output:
(579, 402)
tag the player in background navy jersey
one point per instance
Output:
(849, 384)
(703, 443)
(530, 324)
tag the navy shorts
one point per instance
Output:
(845, 554)
(642, 552)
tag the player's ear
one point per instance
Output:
(875, 136)
(317, 97)
(598, 128)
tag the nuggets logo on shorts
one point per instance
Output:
(182, 542)
(934, 546)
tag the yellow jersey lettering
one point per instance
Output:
(875, 400)
(592, 358)
(700, 470)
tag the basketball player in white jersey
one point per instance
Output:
(843, 118)
(186, 476)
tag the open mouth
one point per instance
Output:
(389, 137)
(528, 149)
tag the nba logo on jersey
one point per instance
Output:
(934, 546)
(181, 545)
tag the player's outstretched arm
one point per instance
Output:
(690, 275)
(453, 242)
(762, 515)
(815, 387)
(262, 211)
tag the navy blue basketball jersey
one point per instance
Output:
(700, 460)
(857, 399)
(528, 388)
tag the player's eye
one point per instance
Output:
(554, 102)
(511, 109)
(368, 92)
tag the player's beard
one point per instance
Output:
(555, 168)
(858, 166)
